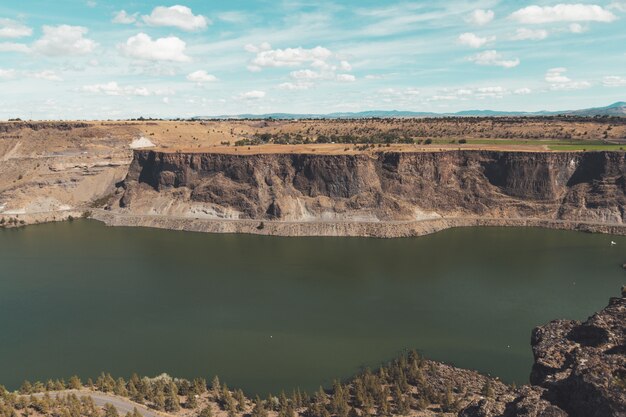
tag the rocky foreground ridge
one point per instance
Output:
(386, 188)
(579, 371)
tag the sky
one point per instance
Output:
(97, 59)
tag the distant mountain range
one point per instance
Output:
(615, 109)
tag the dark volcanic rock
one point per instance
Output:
(579, 370)
(575, 186)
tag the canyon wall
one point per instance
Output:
(385, 187)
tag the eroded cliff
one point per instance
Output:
(382, 187)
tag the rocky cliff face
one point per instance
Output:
(579, 370)
(380, 187)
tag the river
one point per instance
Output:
(272, 313)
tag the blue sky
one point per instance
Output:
(100, 59)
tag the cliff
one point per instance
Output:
(579, 370)
(379, 188)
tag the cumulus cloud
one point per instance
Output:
(6, 74)
(289, 57)
(563, 13)
(124, 18)
(464, 94)
(346, 78)
(252, 95)
(201, 77)
(559, 81)
(47, 75)
(114, 89)
(178, 16)
(523, 34)
(480, 17)
(474, 41)
(614, 81)
(556, 75)
(299, 85)
(620, 6)
(523, 91)
(14, 47)
(305, 74)
(577, 28)
(494, 58)
(142, 47)
(13, 29)
(64, 40)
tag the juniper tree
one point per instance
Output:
(206, 412)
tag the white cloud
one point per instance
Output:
(114, 89)
(91, 3)
(6, 74)
(13, 29)
(523, 91)
(290, 57)
(559, 81)
(474, 41)
(480, 17)
(577, 28)
(299, 85)
(178, 16)
(346, 78)
(13, 47)
(233, 17)
(345, 66)
(523, 34)
(305, 74)
(257, 48)
(64, 40)
(490, 92)
(141, 46)
(124, 18)
(47, 75)
(252, 95)
(618, 5)
(201, 77)
(563, 13)
(614, 81)
(493, 58)
(555, 75)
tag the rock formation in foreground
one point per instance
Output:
(579, 371)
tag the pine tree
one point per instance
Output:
(172, 403)
(259, 408)
(75, 383)
(241, 400)
(216, 388)
(487, 390)
(206, 412)
(110, 411)
(192, 401)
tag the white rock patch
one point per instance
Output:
(141, 143)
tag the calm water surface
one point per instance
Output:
(268, 313)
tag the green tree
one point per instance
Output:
(259, 408)
(110, 411)
(487, 390)
(75, 383)
(206, 412)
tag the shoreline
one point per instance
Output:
(315, 228)
(382, 229)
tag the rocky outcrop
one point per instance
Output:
(579, 371)
(391, 186)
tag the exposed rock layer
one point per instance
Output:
(385, 187)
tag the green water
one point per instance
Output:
(267, 313)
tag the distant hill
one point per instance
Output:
(615, 109)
